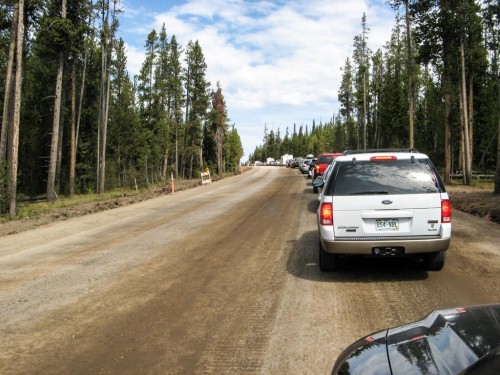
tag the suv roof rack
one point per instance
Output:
(351, 152)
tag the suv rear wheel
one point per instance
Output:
(327, 262)
(434, 261)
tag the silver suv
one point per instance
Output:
(383, 203)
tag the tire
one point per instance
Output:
(327, 262)
(434, 261)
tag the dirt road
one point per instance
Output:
(220, 279)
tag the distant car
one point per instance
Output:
(304, 167)
(383, 203)
(452, 341)
(311, 167)
(323, 161)
(296, 162)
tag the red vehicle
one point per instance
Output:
(323, 161)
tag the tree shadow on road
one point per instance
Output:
(312, 206)
(303, 263)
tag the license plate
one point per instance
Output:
(387, 225)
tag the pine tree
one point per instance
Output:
(218, 124)
(123, 128)
(12, 110)
(146, 97)
(197, 102)
(7, 115)
(162, 101)
(347, 105)
(56, 126)
(361, 58)
(175, 95)
(233, 150)
(410, 67)
(81, 12)
(491, 15)
(109, 26)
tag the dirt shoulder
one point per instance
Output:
(475, 201)
(64, 213)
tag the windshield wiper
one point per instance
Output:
(371, 192)
(430, 190)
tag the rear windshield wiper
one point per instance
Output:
(430, 190)
(371, 192)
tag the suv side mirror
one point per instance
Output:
(318, 182)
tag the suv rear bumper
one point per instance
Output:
(361, 247)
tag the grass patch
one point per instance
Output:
(484, 184)
(29, 209)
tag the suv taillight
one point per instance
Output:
(326, 214)
(445, 211)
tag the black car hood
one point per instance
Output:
(445, 342)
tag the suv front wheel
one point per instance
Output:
(327, 262)
(434, 261)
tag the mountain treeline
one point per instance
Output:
(74, 121)
(434, 86)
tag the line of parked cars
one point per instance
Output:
(392, 203)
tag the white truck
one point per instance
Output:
(285, 158)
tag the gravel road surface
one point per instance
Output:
(219, 279)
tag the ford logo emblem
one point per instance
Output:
(387, 202)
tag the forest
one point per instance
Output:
(75, 122)
(434, 86)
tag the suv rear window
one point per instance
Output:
(384, 177)
(324, 159)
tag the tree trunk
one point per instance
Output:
(218, 142)
(72, 163)
(364, 111)
(57, 186)
(471, 119)
(14, 141)
(103, 92)
(201, 156)
(105, 131)
(165, 164)
(411, 110)
(80, 101)
(177, 149)
(7, 114)
(54, 146)
(447, 143)
(102, 97)
(467, 156)
(8, 111)
(497, 173)
(191, 162)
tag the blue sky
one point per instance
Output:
(278, 62)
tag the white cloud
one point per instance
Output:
(135, 58)
(270, 56)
